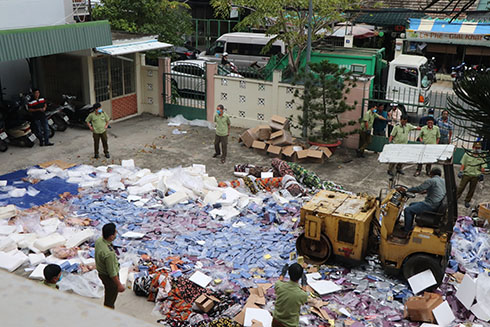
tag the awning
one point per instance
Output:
(47, 40)
(443, 31)
(387, 17)
(132, 47)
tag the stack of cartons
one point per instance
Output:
(276, 141)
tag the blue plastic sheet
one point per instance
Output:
(49, 190)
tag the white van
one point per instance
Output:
(244, 49)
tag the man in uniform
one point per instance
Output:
(429, 134)
(289, 297)
(366, 127)
(37, 107)
(107, 265)
(399, 135)
(52, 275)
(222, 132)
(445, 128)
(472, 169)
(98, 121)
(436, 191)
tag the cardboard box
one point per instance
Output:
(419, 308)
(278, 122)
(484, 211)
(274, 151)
(281, 138)
(249, 136)
(259, 147)
(326, 151)
(302, 155)
(315, 156)
(206, 302)
(264, 132)
(289, 153)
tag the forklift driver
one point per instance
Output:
(436, 191)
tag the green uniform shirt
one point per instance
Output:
(472, 165)
(430, 136)
(50, 285)
(222, 123)
(98, 121)
(369, 117)
(400, 133)
(289, 299)
(105, 258)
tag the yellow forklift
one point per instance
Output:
(348, 227)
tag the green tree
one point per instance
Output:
(324, 99)
(170, 20)
(288, 19)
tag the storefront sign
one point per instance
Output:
(449, 38)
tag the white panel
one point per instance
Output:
(33, 13)
(416, 153)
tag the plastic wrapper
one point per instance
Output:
(64, 253)
(88, 284)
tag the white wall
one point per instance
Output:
(148, 101)
(34, 13)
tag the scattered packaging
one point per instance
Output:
(259, 147)
(8, 212)
(249, 136)
(315, 156)
(206, 302)
(281, 138)
(278, 122)
(274, 151)
(264, 132)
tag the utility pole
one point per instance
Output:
(308, 58)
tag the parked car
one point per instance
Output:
(185, 52)
(189, 76)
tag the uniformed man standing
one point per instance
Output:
(366, 127)
(107, 265)
(98, 121)
(399, 135)
(223, 123)
(472, 169)
(429, 134)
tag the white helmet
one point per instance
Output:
(225, 54)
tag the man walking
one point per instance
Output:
(289, 297)
(37, 107)
(366, 127)
(445, 128)
(395, 114)
(223, 123)
(107, 265)
(399, 135)
(98, 121)
(436, 191)
(429, 134)
(472, 169)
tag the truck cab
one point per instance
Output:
(408, 81)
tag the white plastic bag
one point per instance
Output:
(88, 284)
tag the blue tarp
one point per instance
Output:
(48, 190)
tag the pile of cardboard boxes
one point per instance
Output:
(276, 141)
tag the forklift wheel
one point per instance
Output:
(316, 252)
(421, 262)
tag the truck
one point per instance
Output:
(347, 227)
(406, 79)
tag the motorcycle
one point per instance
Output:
(60, 120)
(458, 72)
(3, 136)
(18, 129)
(76, 114)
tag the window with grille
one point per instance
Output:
(119, 73)
(101, 79)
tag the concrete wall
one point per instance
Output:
(150, 80)
(33, 13)
(251, 102)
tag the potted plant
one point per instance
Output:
(324, 100)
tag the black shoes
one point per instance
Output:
(215, 155)
(107, 155)
(96, 156)
(49, 144)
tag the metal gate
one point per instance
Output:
(416, 106)
(184, 91)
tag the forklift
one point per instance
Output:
(347, 227)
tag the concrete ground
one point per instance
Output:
(150, 142)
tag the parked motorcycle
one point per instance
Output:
(18, 129)
(3, 136)
(458, 72)
(76, 113)
(28, 116)
(59, 118)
